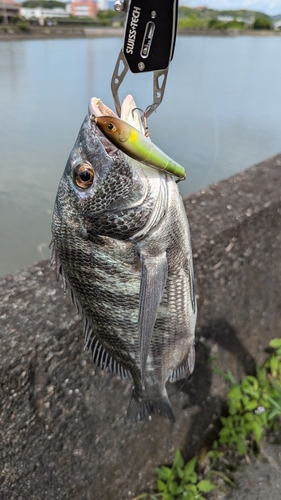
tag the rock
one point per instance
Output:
(63, 431)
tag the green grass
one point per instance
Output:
(205, 18)
(192, 22)
(254, 407)
(180, 481)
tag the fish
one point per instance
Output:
(121, 243)
(135, 144)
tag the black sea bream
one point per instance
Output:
(121, 241)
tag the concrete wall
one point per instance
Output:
(63, 434)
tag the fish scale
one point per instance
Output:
(123, 247)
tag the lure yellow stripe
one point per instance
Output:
(137, 146)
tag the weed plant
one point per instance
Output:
(254, 407)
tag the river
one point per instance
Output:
(221, 114)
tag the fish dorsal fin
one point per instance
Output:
(154, 273)
(100, 356)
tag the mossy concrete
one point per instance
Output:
(63, 432)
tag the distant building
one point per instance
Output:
(277, 25)
(84, 8)
(247, 20)
(9, 9)
(41, 13)
(225, 19)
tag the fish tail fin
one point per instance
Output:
(139, 408)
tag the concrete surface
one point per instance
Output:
(76, 31)
(59, 31)
(258, 478)
(63, 434)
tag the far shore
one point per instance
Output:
(45, 32)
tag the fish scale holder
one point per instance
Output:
(149, 43)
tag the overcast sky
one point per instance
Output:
(270, 7)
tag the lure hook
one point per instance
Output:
(143, 119)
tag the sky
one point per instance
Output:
(270, 7)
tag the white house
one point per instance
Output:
(225, 19)
(42, 13)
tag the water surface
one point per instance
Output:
(221, 113)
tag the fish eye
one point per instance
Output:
(84, 176)
(111, 127)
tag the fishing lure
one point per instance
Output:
(137, 146)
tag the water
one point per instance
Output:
(221, 113)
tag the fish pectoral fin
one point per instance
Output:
(192, 287)
(154, 273)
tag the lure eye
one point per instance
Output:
(111, 127)
(84, 176)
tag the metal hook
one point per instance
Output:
(143, 119)
(137, 109)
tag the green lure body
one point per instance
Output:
(137, 146)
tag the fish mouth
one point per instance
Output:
(129, 114)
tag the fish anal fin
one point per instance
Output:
(139, 408)
(185, 368)
(103, 359)
(154, 273)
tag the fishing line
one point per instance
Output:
(216, 151)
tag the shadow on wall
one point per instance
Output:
(206, 408)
